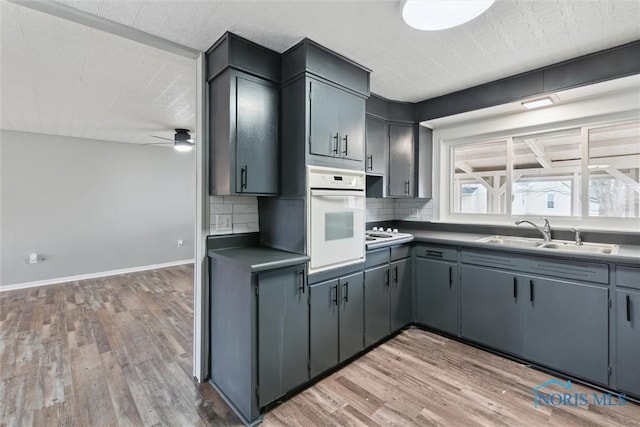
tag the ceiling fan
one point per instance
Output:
(182, 140)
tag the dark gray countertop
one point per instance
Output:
(257, 258)
(627, 254)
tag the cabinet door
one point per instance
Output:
(401, 279)
(490, 309)
(376, 146)
(628, 341)
(256, 135)
(376, 304)
(437, 294)
(401, 182)
(323, 332)
(324, 119)
(351, 315)
(566, 327)
(352, 112)
(283, 332)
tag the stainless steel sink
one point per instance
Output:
(585, 248)
(512, 241)
(555, 245)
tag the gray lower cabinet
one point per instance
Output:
(376, 304)
(336, 325)
(566, 328)
(628, 340)
(401, 161)
(490, 308)
(351, 315)
(283, 332)
(400, 283)
(437, 294)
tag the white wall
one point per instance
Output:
(91, 206)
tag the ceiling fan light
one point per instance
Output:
(434, 15)
(183, 145)
(537, 103)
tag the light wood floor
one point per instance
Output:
(117, 351)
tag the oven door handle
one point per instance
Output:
(337, 193)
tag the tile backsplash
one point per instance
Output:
(399, 209)
(239, 214)
(233, 214)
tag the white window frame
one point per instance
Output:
(447, 168)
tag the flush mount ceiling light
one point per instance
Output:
(433, 15)
(182, 140)
(537, 103)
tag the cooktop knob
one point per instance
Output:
(395, 230)
(389, 230)
(375, 228)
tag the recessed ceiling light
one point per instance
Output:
(433, 15)
(537, 103)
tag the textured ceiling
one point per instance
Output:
(65, 78)
(513, 36)
(62, 78)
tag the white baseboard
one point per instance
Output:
(92, 275)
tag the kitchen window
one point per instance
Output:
(546, 173)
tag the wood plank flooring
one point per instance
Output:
(117, 351)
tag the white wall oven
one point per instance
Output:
(335, 218)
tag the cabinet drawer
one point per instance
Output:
(490, 259)
(437, 252)
(376, 257)
(561, 269)
(576, 270)
(628, 277)
(400, 252)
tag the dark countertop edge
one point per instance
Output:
(469, 240)
(287, 259)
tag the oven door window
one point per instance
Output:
(338, 225)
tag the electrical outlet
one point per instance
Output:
(33, 258)
(413, 213)
(180, 243)
(224, 222)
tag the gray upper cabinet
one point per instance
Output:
(283, 332)
(243, 120)
(376, 146)
(256, 136)
(628, 340)
(323, 104)
(566, 327)
(336, 122)
(401, 280)
(437, 294)
(490, 308)
(324, 135)
(401, 161)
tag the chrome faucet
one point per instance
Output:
(578, 235)
(545, 231)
